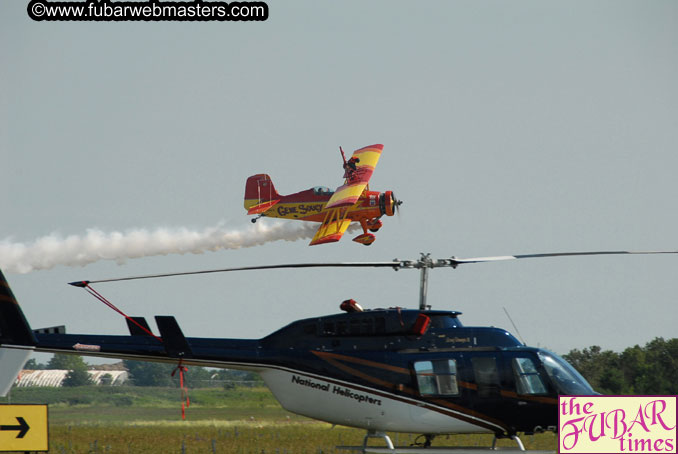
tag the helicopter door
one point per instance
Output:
(529, 392)
(488, 383)
(486, 376)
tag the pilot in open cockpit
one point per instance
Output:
(350, 167)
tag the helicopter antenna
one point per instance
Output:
(514, 326)
(425, 263)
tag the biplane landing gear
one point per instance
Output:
(374, 225)
(365, 238)
(256, 218)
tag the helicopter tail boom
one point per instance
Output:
(16, 337)
(14, 328)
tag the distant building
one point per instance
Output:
(56, 377)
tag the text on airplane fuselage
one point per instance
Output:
(301, 209)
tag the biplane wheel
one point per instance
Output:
(365, 238)
(254, 220)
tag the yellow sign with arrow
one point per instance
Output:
(23, 428)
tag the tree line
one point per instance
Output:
(143, 373)
(652, 369)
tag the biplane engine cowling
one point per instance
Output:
(387, 203)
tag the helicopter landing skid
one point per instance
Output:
(515, 438)
(436, 450)
(391, 449)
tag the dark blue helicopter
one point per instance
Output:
(393, 369)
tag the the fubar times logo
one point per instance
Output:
(617, 424)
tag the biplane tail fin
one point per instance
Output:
(16, 337)
(260, 194)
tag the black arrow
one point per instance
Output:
(22, 427)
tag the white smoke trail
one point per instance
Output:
(52, 250)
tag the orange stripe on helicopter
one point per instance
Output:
(364, 362)
(461, 412)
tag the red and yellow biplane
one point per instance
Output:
(335, 210)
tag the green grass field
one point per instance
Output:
(242, 420)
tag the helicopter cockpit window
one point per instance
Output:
(486, 375)
(565, 377)
(437, 378)
(527, 377)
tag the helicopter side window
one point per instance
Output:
(368, 326)
(309, 329)
(355, 327)
(342, 328)
(437, 378)
(380, 325)
(486, 375)
(527, 377)
(328, 328)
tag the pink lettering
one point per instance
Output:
(656, 415)
(574, 432)
(618, 424)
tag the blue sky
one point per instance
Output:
(508, 128)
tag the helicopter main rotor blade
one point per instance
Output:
(424, 262)
(458, 261)
(396, 264)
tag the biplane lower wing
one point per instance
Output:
(333, 227)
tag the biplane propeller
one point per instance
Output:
(399, 370)
(334, 210)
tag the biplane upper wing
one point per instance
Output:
(333, 227)
(349, 193)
